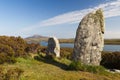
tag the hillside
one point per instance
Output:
(22, 61)
(42, 69)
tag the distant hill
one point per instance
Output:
(36, 39)
(36, 36)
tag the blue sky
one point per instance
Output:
(58, 18)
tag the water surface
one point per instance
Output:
(71, 45)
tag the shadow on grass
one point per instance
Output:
(50, 60)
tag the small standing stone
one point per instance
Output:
(89, 39)
(53, 47)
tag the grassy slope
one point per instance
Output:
(55, 70)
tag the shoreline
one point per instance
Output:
(106, 41)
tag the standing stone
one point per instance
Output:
(89, 41)
(53, 47)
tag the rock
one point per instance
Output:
(89, 39)
(113, 70)
(117, 71)
(53, 47)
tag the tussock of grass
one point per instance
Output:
(88, 68)
(12, 73)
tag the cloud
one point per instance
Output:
(111, 9)
(112, 34)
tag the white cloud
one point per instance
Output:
(111, 9)
(112, 34)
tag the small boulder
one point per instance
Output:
(53, 47)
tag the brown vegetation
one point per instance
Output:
(32, 48)
(112, 41)
(111, 60)
(13, 45)
(66, 52)
(10, 73)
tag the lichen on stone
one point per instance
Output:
(89, 39)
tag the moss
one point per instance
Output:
(99, 17)
(99, 14)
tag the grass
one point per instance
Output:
(10, 73)
(42, 68)
(78, 66)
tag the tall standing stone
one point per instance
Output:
(53, 47)
(89, 41)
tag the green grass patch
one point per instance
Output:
(44, 68)
(75, 65)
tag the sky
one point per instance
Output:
(59, 18)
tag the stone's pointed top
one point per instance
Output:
(100, 15)
(97, 11)
(54, 39)
(97, 15)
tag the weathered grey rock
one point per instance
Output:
(89, 39)
(53, 47)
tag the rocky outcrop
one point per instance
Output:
(53, 47)
(89, 39)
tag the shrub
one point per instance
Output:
(66, 52)
(6, 54)
(2, 75)
(43, 49)
(32, 48)
(76, 66)
(13, 74)
(15, 45)
(6, 49)
(11, 47)
(5, 58)
(111, 60)
(10, 74)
